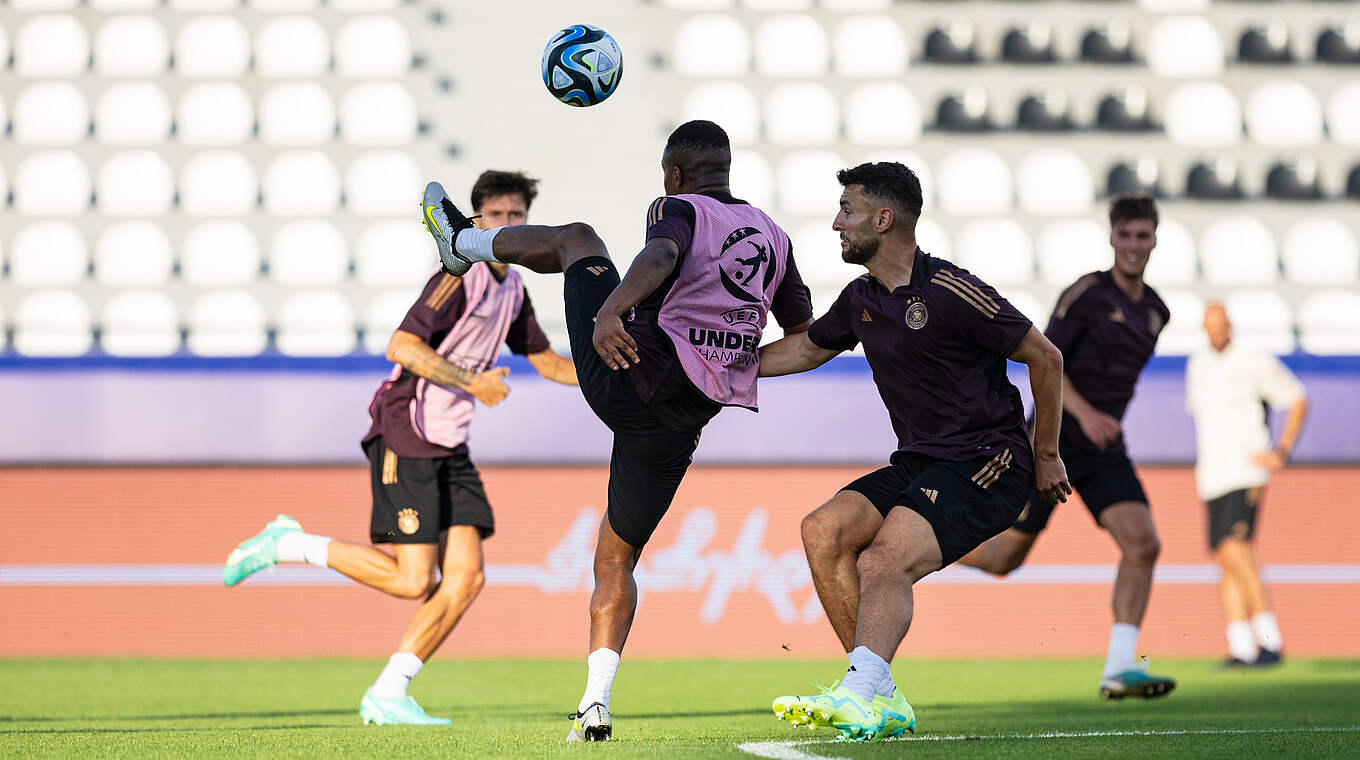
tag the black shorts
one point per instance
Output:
(966, 503)
(1233, 515)
(415, 499)
(1101, 478)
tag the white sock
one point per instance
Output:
(1120, 656)
(867, 671)
(476, 244)
(295, 546)
(396, 676)
(1267, 631)
(887, 686)
(604, 665)
(1241, 641)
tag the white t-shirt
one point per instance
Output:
(1226, 392)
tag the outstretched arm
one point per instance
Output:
(415, 356)
(792, 354)
(652, 266)
(1046, 381)
(554, 366)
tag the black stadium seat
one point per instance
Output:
(1295, 180)
(1047, 111)
(1125, 110)
(1353, 183)
(954, 42)
(1133, 177)
(1108, 43)
(1265, 44)
(963, 112)
(1031, 43)
(1215, 181)
(1337, 45)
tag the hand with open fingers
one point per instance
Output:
(613, 343)
(1050, 478)
(1101, 428)
(489, 387)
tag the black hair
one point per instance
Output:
(699, 146)
(1127, 207)
(887, 181)
(493, 183)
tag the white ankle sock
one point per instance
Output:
(1267, 631)
(1120, 655)
(604, 665)
(303, 547)
(1241, 641)
(476, 244)
(396, 676)
(867, 671)
(887, 686)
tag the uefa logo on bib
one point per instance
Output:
(753, 254)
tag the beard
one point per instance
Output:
(859, 252)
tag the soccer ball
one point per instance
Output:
(582, 65)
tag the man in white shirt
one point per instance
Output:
(1228, 390)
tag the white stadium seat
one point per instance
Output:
(1319, 251)
(383, 316)
(4, 193)
(1184, 332)
(752, 179)
(48, 47)
(132, 114)
(227, 323)
(1238, 251)
(140, 323)
(1174, 6)
(219, 253)
(1284, 114)
(1261, 320)
(393, 253)
(204, 6)
(1173, 260)
(218, 183)
(1025, 303)
(135, 183)
(4, 112)
(973, 181)
(817, 249)
(882, 113)
(1203, 115)
(712, 46)
(996, 250)
(376, 47)
(52, 323)
(1185, 47)
(1054, 181)
(49, 114)
(912, 161)
(42, 5)
(301, 183)
(1343, 114)
(1329, 322)
(791, 46)
(802, 114)
(214, 114)
(699, 5)
(123, 6)
(777, 5)
(133, 254)
(306, 253)
(1070, 248)
(51, 183)
(292, 47)
(131, 46)
(297, 114)
(870, 46)
(212, 47)
(362, 6)
(379, 182)
(807, 183)
(933, 239)
(315, 323)
(48, 254)
(283, 6)
(378, 114)
(731, 104)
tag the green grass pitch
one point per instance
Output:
(704, 708)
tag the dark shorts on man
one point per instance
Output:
(1101, 478)
(1233, 515)
(416, 499)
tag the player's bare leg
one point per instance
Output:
(834, 534)
(462, 579)
(1251, 624)
(1130, 523)
(612, 606)
(547, 249)
(904, 551)
(1002, 553)
(409, 573)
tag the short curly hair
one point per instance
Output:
(887, 181)
(493, 183)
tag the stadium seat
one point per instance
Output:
(912, 161)
(306, 253)
(996, 250)
(227, 323)
(1265, 44)
(1203, 115)
(791, 46)
(882, 113)
(1238, 251)
(964, 111)
(51, 183)
(1329, 322)
(712, 46)
(283, 6)
(952, 43)
(131, 46)
(50, 114)
(857, 5)
(133, 254)
(817, 249)
(1025, 303)
(204, 6)
(731, 103)
(375, 47)
(1284, 114)
(1031, 42)
(48, 254)
(140, 323)
(292, 47)
(1053, 181)
(1261, 320)
(379, 182)
(699, 5)
(214, 114)
(1125, 110)
(870, 46)
(393, 253)
(219, 253)
(50, 47)
(1184, 332)
(1173, 6)
(302, 183)
(1339, 45)
(52, 323)
(1047, 111)
(134, 183)
(1140, 175)
(973, 181)
(383, 315)
(1070, 248)
(752, 179)
(1294, 180)
(315, 323)
(218, 183)
(4, 197)
(1320, 251)
(1343, 114)
(363, 6)
(378, 114)
(132, 114)
(1173, 260)
(122, 6)
(42, 5)
(1185, 47)
(296, 114)
(1353, 183)
(933, 239)
(1215, 180)
(1108, 42)
(802, 114)
(212, 47)
(777, 5)
(807, 183)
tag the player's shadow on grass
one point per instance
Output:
(290, 727)
(181, 716)
(703, 714)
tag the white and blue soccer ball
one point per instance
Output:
(582, 65)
